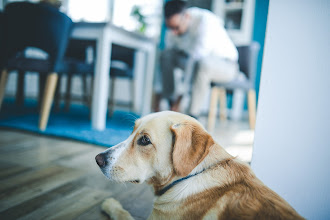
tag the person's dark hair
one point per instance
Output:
(174, 7)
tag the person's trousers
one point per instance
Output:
(169, 60)
(210, 69)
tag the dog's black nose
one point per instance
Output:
(100, 160)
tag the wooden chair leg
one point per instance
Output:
(223, 104)
(47, 100)
(20, 88)
(212, 109)
(3, 83)
(252, 107)
(42, 82)
(57, 97)
(68, 93)
(112, 97)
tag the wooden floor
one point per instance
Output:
(50, 178)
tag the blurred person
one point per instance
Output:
(198, 44)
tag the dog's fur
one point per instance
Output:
(224, 187)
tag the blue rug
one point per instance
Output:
(74, 124)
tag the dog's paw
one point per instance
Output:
(114, 209)
(111, 204)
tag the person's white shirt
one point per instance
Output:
(206, 36)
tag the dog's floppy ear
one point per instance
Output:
(191, 145)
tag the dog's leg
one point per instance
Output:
(114, 209)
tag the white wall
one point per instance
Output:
(292, 138)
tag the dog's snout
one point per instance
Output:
(100, 160)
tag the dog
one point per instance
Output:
(193, 177)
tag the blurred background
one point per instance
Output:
(245, 21)
(113, 58)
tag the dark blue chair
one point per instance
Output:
(2, 42)
(122, 65)
(40, 26)
(248, 58)
(79, 60)
(3, 79)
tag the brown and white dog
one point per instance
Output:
(192, 176)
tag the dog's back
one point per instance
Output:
(238, 194)
(248, 198)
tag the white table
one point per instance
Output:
(105, 35)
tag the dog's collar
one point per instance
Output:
(166, 188)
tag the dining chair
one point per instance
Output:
(39, 26)
(3, 78)
(248, 57)
(79, 60)
(122, 65)
(2, 43)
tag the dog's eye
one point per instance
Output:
(144, 141)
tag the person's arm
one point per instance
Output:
(189, 72)
(200, 46)
(169, 40)
(199, 49)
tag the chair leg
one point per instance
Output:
(90, 97)
(112, 97)
(132, 95)
(57, 97)
(42, 82)
(84, 89)
(223, 104)
(212, 109)
(20, 88)
(47, 100)
(3, 83)
(68, 93)
(252, 107)
(91, 93)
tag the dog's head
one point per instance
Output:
(161, 147)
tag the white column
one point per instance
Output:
(292, 138)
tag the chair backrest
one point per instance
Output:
(248, 58)
(124, 54)
(37, 25)
(2, 42)
(77, 49)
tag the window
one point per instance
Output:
(151, 10)
(120, 13)
(89, 10)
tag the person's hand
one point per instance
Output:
(176, 105)
(156, 102)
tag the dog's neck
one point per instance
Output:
(217, 157)
(166, 188)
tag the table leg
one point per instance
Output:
(149, 78)
(101, 82)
